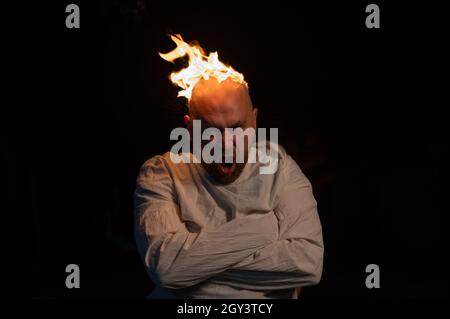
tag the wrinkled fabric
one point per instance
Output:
(258, 237)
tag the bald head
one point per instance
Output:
(221, 104)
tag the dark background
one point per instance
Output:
(354, 107)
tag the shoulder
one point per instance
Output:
(156, 168)
(163, 167)
(291, 171)
(287, 168)
(154, 165)
(155, 179)
(273, 158)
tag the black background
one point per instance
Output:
(354, 107)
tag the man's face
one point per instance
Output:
(223, 105)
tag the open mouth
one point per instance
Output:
(226, 168)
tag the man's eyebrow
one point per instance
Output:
(237, 124)
(233, 126)
(205, 124)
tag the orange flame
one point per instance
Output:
(200, 67)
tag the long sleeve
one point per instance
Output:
(176, 258)
(295, 259)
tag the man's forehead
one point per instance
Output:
(227, 99)
(211, 107)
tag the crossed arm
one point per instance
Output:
(278, 250)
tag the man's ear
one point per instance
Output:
(187, 122)
(255, 115)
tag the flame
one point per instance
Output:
(200, 67)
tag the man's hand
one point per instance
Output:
(297, 292)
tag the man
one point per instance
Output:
(225, 230)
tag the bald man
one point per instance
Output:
(223, 230)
